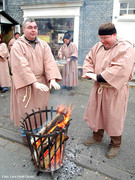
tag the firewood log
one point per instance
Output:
(45, 143)
(45, 130)
(56, 120)
(52, 151)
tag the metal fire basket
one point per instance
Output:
(38, 159)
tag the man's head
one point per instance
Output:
(17, 35)
(30, 29)
(66, 38)
(107, 34)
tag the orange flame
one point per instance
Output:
(61, 108)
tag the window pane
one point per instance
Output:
(52, 30)
(132, 5)
(131, 11)
(123, 5)
(123, 12)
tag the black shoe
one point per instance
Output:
(63, 87)
(4, 90)
(69, 88)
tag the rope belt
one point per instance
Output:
(38, 76)
(100, 89)
(26, 92)
(25, 96)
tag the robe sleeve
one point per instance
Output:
(60, 51)
(4, 51)
(50, 66)
(22, 73)
(120, 70)
(88, 65)
(74, 51)
(10, 44)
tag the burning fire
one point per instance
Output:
(60, 110)
(58, 157)
(56, 143)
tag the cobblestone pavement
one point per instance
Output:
(81, 162)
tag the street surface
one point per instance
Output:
(81, 162)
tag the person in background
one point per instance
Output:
(11, 42)
(34, 71)
(110, 63)
(4, 70)
(70, 53)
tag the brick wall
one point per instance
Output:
(93, 13)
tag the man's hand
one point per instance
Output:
(60, 57)
(54, 84)
(40, 86)
(90, 76)
(68, 59)
(84, 76)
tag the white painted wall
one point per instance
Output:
(125, 24)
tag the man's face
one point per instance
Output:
(17, 36)
(30, 30)
(107, 40)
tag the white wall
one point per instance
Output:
(125, 24)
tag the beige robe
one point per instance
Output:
(107, 110)
(4, 69)
(10, 44)
(28, 66)
(70, 72)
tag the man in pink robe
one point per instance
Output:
(4, 69)
(34, 73)
(70, 52)
(110, 63)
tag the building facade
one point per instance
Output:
(80, 17)
(124, 19)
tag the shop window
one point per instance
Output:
(127, 8)
(52, 30)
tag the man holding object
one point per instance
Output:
(34, 71)
(110, 63)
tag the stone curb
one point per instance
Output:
(10, 135)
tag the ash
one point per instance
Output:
(69, 171)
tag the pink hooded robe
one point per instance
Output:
(4, 69)
(28, 66)
(70, 72)
(10, 44)
(107, 110)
